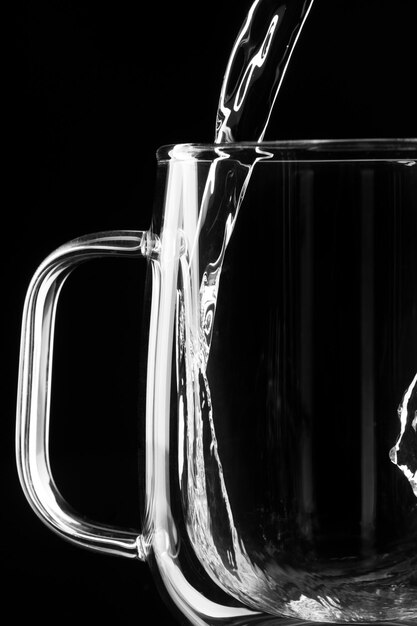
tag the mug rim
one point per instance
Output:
(295, 149)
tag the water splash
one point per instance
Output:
(404, 453)
(254, 75)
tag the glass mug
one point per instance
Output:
(281, 391)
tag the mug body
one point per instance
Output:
(282, 390)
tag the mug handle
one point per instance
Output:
(33, 402)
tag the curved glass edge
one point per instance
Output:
(295, 150)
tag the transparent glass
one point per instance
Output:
(281, 413)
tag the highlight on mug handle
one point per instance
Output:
(34, 388)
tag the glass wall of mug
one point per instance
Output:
(282, 442)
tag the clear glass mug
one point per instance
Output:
(281, 391)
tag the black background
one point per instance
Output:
(94, 89)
